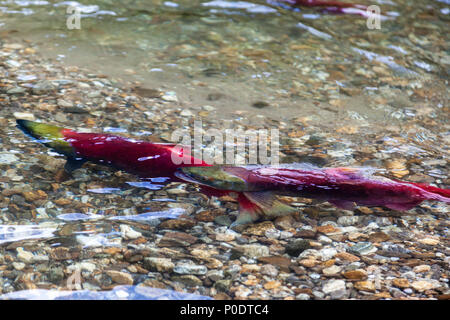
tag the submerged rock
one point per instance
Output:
(43, 87)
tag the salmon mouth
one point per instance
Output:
(180, 174)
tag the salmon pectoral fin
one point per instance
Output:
(346, 205)
(248, 212)
(73, 164)
(403, 206)
(269, 205)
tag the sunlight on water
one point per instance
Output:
(118, 293)
(11, 233)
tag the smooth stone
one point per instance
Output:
(7, 158)
(186, 113)
(254, 250)
(64, 103)
(86, 266)
(423, 285)
(159, 264)
(223, 220)
(43, 87)
(302, 296)
(327, 254)
(362, 248)
(120, 277)
(296, 247)
(16, 90)
(94, 94)
(188, 268)
(24, 256)
(222, 285)
(188, 279)
(18, 265)
(170, 96)
(129, 233)
(334, 269)
(335, 288)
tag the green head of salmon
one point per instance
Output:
(215, 177)
(51, 136)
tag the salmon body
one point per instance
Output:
(142, 158)
(343, 187)
(255, 187)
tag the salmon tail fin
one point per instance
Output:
(444, 194)
(433, 193)
(256, 205)
(49, 135)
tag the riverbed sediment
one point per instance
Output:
(55, 225)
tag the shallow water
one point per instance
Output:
(233, 54)
(340, 93)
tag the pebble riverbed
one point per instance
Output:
(106, 228)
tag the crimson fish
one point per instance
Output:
(325, 3)
(337, 7)
(142, 158)
(255, 187)
(343, 187)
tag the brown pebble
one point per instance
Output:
(327, 229)
(272, 285)
(347, 256)
(308, 234)
(179, 224)
(112, 250)
(62, 202)
(279, 261)
(308, 263)
(32, 196)
(401, 283)
(284, 222)
(358, 274)
(378, 237)
(63, 253)
(222, 296)
(207, 215)
(120, 277)
(175, 239)
(365, 286)
(259, 229)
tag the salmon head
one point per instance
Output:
(215, 177)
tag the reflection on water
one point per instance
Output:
(147, 216)
(11, 233)
(118, 293)
(88, 234)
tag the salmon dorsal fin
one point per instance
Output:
(353, 173)
(270, 206)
